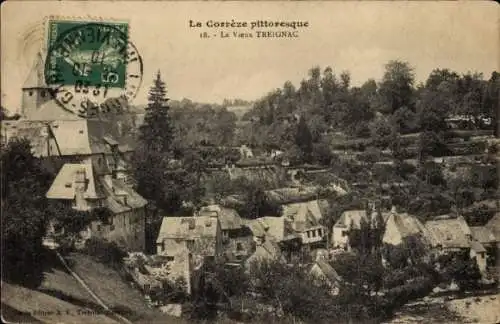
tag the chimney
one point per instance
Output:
(80, 188)
(80, 178)
(394, 210)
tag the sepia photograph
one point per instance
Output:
(239, 162)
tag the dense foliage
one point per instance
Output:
(395, 105)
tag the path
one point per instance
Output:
(84, 285)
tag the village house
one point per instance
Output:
(323, 272)
(484, 235)
(453, 235)
(304, 218)
(79, 186)
(202, 236)
(448, 235)
(486, 239)
(266, 250)
(353, 220)
(89, 158)
(190, 245)
(400, 226)
(478, 252)
(237, 240)
(494, 226)
(277, 230)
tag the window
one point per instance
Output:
(344, 233)
(30, 93)
(112, 228)
(239, 247)
(308, 234)
(99, 227)
(43, 94)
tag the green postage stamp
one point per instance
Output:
(89, 62)
(93, 53)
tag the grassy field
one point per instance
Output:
(24, 305)
(117, 294)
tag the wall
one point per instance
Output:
(126, 229)
(313, 236)
(337, 238)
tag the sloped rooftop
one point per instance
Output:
(187, 228)
(229, 218)
(449, 233)
(63, 186)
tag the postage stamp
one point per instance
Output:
(90, 62)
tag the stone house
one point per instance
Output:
(487, 239)
(201, 234)
(78, 186)
(449, 235)
(453, 235)
(190, 244)
(237, 241)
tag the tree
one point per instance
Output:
(156, 133)
(438, 76)
(303, 139)
(24, 212)
(289, 289)
(381, 131)
(156, 179)
(397, 85)
(4, 115)
(256, 203)
(491, 99)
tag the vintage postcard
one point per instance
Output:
(250, 162)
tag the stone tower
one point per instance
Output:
(35, 91)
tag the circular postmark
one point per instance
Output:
(89, 65)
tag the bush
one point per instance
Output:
(104, 251)
(417, 288)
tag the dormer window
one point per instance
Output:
(80, 131)
(68, 185)
(42, 94)
(30, 93)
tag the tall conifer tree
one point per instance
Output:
(156, 133)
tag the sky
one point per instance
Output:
(357, 36)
